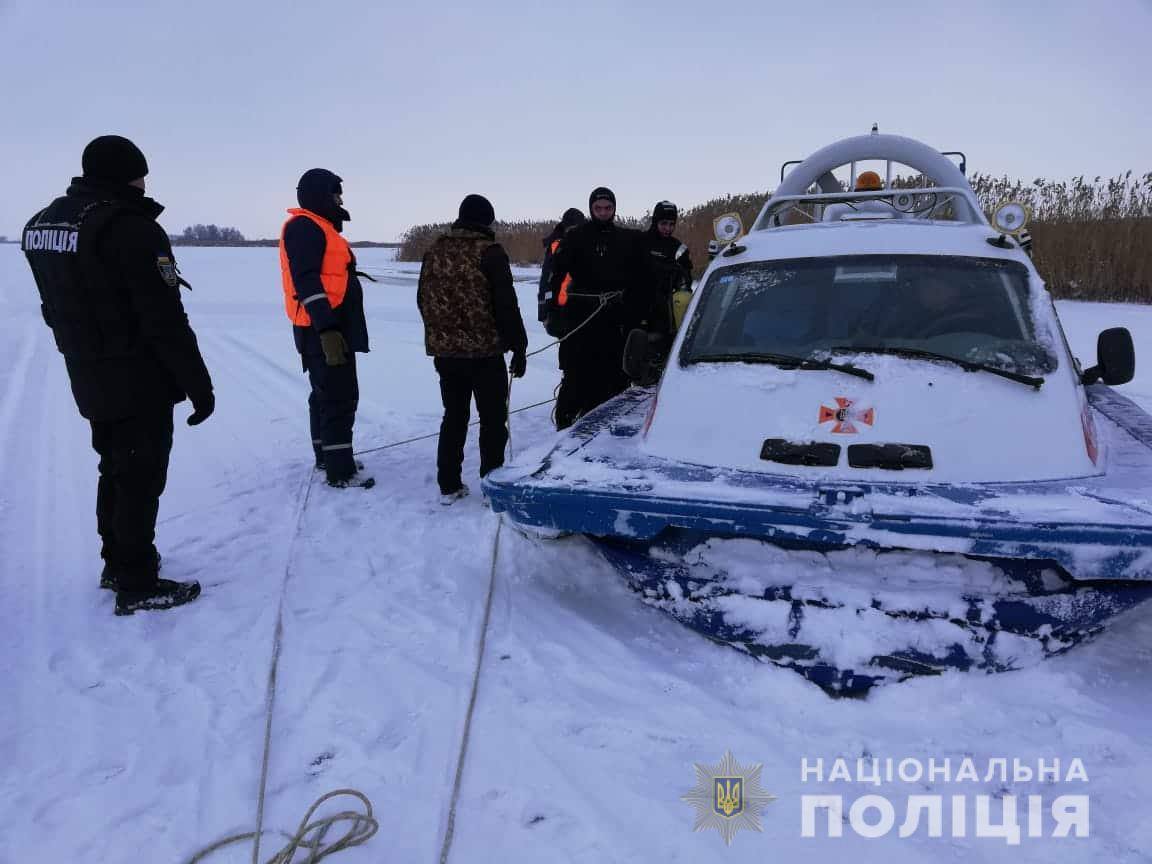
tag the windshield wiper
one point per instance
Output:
(967, 365)
(784, 361)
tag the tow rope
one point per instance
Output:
(450, 827)
(605, 299)
(311, 836)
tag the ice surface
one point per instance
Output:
(129, 740)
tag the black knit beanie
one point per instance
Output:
(571, 218)
(662, 211)
(478, 210)
(601, 193)
(113, 159)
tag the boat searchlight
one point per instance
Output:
(1011, 217)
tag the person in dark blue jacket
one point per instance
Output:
(325, 303)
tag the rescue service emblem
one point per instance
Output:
(846, 415)
(168, 271)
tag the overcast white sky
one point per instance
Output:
(533, 104)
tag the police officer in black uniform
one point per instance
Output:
(110, 292)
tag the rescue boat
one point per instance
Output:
(871, 453)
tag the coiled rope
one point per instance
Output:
(311, 836)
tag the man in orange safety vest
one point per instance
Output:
(325, 303)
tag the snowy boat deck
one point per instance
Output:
(598, 482)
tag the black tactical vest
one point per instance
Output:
(77, 294)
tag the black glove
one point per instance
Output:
(335, 348)
(518, 365)
(202, 408)
(557, 322)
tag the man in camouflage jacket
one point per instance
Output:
(471, 318)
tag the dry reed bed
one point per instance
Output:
(1092, 238)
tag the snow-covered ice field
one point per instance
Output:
(140, 739)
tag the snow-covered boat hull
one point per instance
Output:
(1073, 553)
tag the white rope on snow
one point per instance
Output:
(605, 299)
(310, 836)
(450, 828)
(363, 825)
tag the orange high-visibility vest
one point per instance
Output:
(562, 297)
(333, 270)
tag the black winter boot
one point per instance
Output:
(108, 579)
(165, 594)
(356, 481)
(321, 466)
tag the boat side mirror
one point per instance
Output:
(1115, 358)
(636, 355)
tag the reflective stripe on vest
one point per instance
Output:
(333, 270)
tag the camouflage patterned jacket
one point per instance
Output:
(466, 296)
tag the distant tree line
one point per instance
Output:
(208, 235)
(214, 235)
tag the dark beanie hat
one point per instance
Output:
(664, 210)
(114, 159)
(315, 188)
(601, 193)
(314, 191)
(571, 218)
(477, 209)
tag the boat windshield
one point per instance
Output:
(972, 309)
